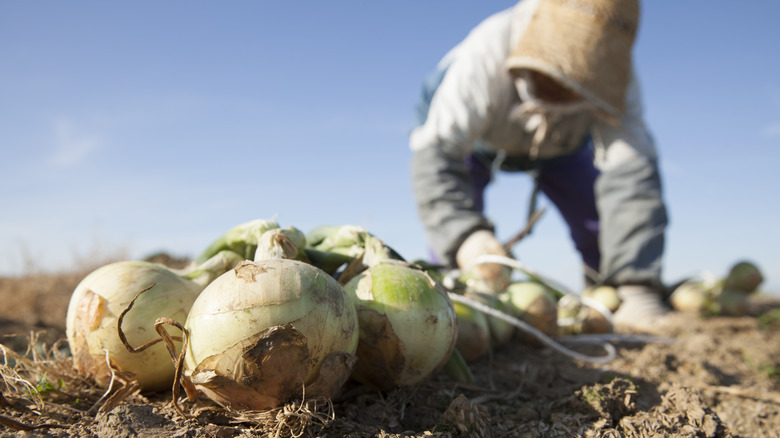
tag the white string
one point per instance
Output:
(610, 349)
(600, 340)
(515, 264)
(597, 306)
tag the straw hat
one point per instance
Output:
(584, 45)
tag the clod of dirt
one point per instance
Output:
(612, 401)
(465, 418)
(682, 413)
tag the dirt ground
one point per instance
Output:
(710, 377)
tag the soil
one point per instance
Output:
(704, 377)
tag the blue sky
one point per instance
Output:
(147, 126)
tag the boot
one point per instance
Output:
(641, 309)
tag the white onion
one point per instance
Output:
(693, 296)
(94, 309)
(576, 317)
(266, 331)
(744, 276)
(604, 294)
(535, 304)
(732, 302)
(473, 332)
(408, 326)
(500, 330)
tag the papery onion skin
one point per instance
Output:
(94, 309)
(408, 326)
(261, 334)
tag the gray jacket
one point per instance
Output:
(473, 104)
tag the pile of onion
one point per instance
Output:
(728, 296)
(743, 279)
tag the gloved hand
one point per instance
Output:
(494, 277)
(641, 308)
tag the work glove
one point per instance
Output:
(488, 277)
(641, 308)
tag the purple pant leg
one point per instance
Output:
(569, 183)
(480, 178)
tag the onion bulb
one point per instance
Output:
(744, 276)
(693, 296)
(473, 332)
(94, 309)
(604, 294)
(408, 326)
(501, 331)
(577, 317)
(732, 302)
(268, 332)
(281, 243)
(535, 304)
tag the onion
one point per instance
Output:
(744, 276)
(473, 332)
(693, 297)
(94, 309)
(606, 295)
(408, 326)
(501, 331)
(732, 302)
(535, 304)
(595, 322)
(281, 243)
(268, 332)
(569, 314)
(576, 317)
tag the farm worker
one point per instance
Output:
(546, 87)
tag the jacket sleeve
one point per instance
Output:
(445, 202)
(629, 199)
(458, 116)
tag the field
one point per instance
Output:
(703, 377)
